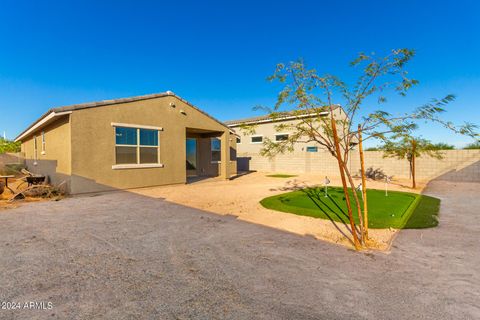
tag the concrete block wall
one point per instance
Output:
(456, 165)
(7, 158)
(10, 158)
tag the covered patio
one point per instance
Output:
(208, 154)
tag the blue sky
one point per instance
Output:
(217, 54)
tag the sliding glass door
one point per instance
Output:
(191, 157)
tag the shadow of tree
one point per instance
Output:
(314, 199)
(316, 194)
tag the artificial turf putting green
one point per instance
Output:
(280, 175)
(398, 210)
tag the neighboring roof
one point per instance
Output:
(58, 111)
(289, 115)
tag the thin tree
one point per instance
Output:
(306, 92)
(364, 182)
(410, 148)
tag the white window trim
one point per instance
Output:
(212, 161)
(137, 165)
(135, 126)
(256, 136)
(43, 144)
(281, 134)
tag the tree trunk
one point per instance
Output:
(341, 166)
(364, 184)
(414, 147)
(410, 164)
(357, 202)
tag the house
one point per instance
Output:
(267, 127)
(149, 140)
(306, 156)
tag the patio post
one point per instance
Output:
(225, 155)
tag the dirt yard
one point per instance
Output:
(240, 197)
(7, 194)
(121, 255)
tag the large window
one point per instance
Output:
(216, 147)
(136, 146)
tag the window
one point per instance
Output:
(148, 146)
(35, 149)
(43, 142)
(257, 139)
(126, 145)
(136, 146)
(239, 140)
(281, 137)
(216, 147)
(233, 154)
(312, 149)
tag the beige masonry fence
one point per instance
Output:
(10, 158)
(456, 165)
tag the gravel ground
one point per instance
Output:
(241, 197)
(127, 256)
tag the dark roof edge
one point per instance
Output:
(102, 103)
(267, 119)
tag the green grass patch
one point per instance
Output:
(281, 175)
(397, 210)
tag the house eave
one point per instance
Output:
(240, 123)
(48, 118)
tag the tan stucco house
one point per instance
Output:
(250, 140)
(266, 127)
(142, 141)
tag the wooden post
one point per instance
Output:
(364, 183)
(344, 181)
(414, 150)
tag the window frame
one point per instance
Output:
(316, 149)
(44, 144)
(281, 134)
(256, 136)
(35, 150)
(239, 140)
(137, 146)
(211, 151)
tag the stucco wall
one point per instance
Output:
(93, 143)
(457, 165)
(269, 130)
(55, 162)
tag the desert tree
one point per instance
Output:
(332, 126)
(411, 148)
(473, 145)
(443, 146)
(9, 146)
